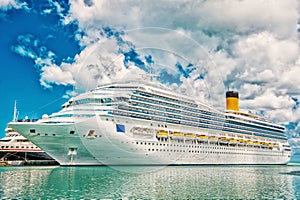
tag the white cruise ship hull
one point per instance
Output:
(97, 141)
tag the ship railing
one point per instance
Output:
(27, 120)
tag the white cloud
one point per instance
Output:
(250, 46)
(55, 74)
(9, 4)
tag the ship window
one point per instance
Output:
(72, 132)
(32, 130)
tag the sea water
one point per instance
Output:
(173, 182)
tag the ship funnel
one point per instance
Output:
(232, 100)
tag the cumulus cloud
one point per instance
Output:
(9, 4)
(201, 48)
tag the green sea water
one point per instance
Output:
(173, 182)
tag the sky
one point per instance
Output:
(52, 50)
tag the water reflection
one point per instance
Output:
(205, 182)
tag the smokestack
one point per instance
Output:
(232, 100)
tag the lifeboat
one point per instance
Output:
(202, 138)
(249, 142)
(190, 136)
(177, 135)
(232, 141)
(264, 143)
(241, 141)
(223, 140)
(256, 143)
(162, 134)
(270, 144)
(212, 139)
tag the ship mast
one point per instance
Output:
(15, 112)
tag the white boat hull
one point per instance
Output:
(108, 147)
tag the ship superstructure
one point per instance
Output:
(135, 123)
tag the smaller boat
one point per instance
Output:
(16, 147)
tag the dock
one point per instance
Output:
(27, 162)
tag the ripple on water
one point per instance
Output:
(201, 182)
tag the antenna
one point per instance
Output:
(15, 112)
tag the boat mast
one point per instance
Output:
(15, 112)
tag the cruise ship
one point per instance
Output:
(139, 123)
